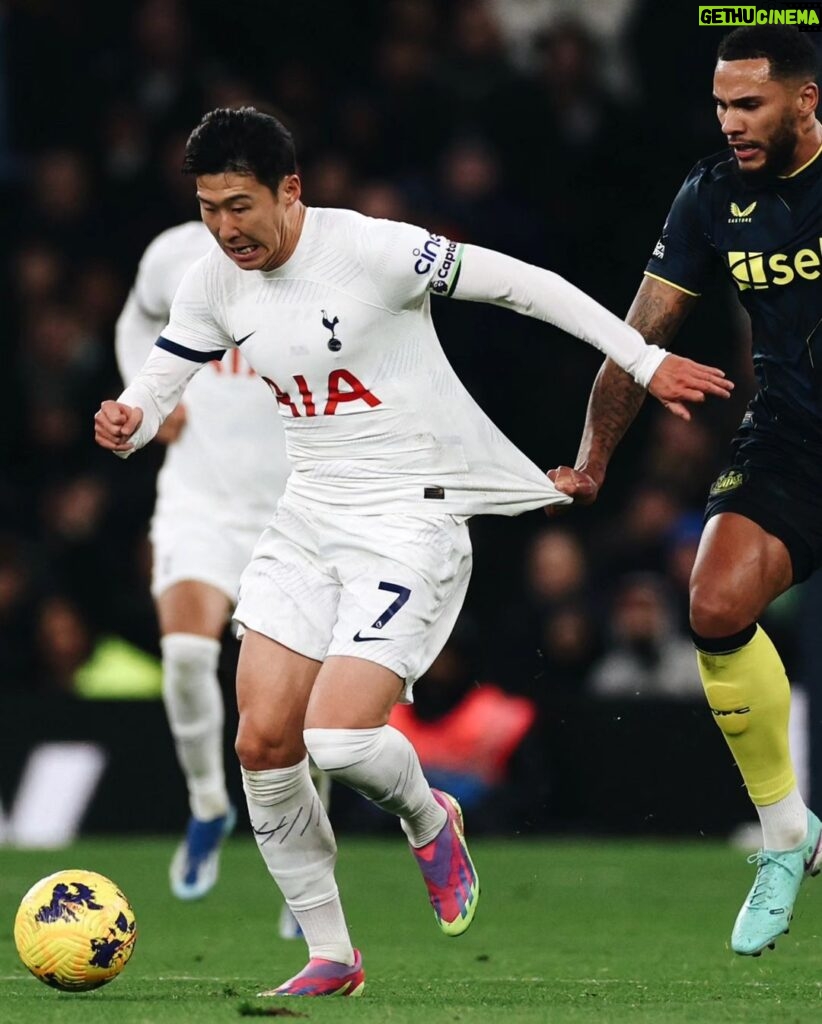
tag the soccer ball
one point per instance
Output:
(75, 930)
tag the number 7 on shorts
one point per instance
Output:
(403, 593)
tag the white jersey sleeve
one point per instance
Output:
(134, 334)
(195, 330)
(487, 276)
(147, 307)
(192, 338)
(406, 262)
(157, 390)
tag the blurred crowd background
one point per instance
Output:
(555, 132)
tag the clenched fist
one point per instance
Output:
(115, 424)
(579, 485)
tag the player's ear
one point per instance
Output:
(290, 189)
(808, 98)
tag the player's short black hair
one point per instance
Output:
(788, 51)
(242, 140)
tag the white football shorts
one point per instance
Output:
(190, 544)
(386, 588)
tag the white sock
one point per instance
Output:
(785, 823)
(383, 766)
(323, 784)
(324, 927)
(294, 836)
(194, 706)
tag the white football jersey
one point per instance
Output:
(230, 456)
(375, 418)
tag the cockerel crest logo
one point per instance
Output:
(334, 343)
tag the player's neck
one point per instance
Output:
(807, 148)
(291, 236)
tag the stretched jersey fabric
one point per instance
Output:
(230, 456)
(375, 418)
(768, 237)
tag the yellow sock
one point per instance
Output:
(750, 697)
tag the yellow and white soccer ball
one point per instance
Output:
(75, 930)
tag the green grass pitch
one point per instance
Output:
(570, 932)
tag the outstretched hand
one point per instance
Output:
(115, 424)
(679, 380)
(579, 485)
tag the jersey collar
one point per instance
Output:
(799, 170)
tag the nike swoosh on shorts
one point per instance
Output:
(364, 639)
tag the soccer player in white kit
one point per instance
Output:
(357, 580)
(224, 472)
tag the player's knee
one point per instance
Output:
(188, 658)
(335, 750)
(274, 785)
(259, 749)
(718, 611)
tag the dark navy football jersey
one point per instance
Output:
(769, 239)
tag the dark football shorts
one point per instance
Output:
(775, 480)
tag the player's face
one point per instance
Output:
(252, 224)
(759, 116)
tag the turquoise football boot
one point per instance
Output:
(766, 913)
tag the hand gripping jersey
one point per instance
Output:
(769, 239)
(229, 461)
(375, 418)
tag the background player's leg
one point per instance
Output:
(289, 822)
(192, 618)
(347, 736)
(739, 570)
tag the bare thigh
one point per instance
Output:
(352, 693)
(274, 684)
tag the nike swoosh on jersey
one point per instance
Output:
(241, 340)
(364, 639)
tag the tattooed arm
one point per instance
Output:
(657, 313)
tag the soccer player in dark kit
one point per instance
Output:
(756, 210)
